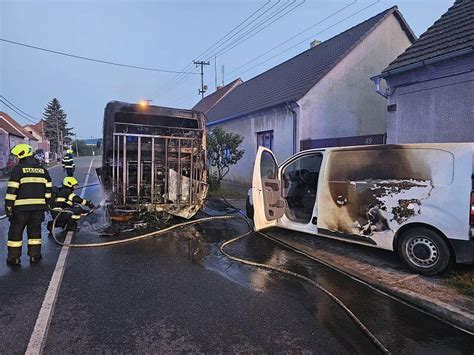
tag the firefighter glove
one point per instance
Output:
(9, 211)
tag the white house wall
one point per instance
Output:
(279, 120)
(4, 148)
(344, 103)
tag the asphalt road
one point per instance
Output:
(179, 293)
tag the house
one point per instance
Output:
(430, 86)
(207, 103)
(321, 97)
(37, 131)
(11, 134)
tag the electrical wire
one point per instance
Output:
(19, 109)
(230, 47)
(353, 2)
(255, 19)
(17, 112)
(308, 38)
(189, 65)
(92, 59)
(251, 31)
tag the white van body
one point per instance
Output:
(394, 197)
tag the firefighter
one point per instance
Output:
(68, 163)
(28, 195)
(66, 199)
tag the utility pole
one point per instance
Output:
(223, 84)
(57, 135)
(202, 64)
(215, 71)
(77, 149)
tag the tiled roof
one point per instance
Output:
(292, 79)
(211, 100)
(11, 126)
(453, 32)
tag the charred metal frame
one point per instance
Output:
(158, 172)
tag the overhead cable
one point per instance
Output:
(92, 59)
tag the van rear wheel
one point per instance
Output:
(424, 251)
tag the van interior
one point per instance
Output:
(300, 185)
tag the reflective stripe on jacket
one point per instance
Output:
(29, 186)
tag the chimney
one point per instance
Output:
(314, 43)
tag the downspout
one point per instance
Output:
(295, 125)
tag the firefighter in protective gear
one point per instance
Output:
(66, 199)
(68, 163)
(28, 195)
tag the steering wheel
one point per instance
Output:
(305, 176)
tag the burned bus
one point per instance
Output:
(154, 158)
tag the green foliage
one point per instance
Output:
(82, 147)
(223, 151)
(55, 125)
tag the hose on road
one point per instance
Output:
(333, 297)
(132, 239)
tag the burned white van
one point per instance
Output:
(415, 199)
(154, 158)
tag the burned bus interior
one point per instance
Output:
(154, 158)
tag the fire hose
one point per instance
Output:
(333, 297)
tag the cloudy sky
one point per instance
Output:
(164, 35)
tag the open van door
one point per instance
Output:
(268, 203)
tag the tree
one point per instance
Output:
(223, 151)
(55, 125)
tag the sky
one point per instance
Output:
(166, 35)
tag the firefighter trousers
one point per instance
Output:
(67, 220)
(31, 220)
(70, 171)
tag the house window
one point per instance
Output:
(265, 139)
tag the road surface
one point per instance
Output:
(179, 293)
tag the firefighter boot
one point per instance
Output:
(35, 259)
(72, 226)
(13, 261)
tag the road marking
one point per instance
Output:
(40, 331)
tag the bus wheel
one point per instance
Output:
(424, 251)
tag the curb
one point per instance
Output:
(438, 309)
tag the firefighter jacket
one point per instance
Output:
(66, 198)
(68, 161)
(29, 187)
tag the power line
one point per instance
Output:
(178, 77)
(92, 59)
(279, 9)
(244, 38)
(252, 31)
(255, 19)
(295, 36)
(17, 112)
(19, 109)
(308, 38)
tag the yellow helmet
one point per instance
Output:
(69, 151)
(70, 181)
(22, 150)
